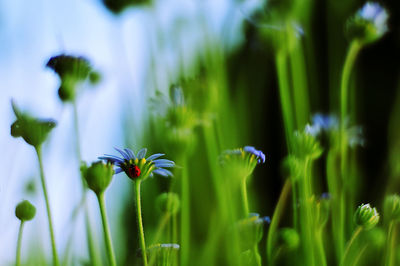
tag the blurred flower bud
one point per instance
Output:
(34, 131)
(392, 207)
(251, 230)
(306, 146)
(98, 176)
(292, 167)
(369, 23)
(168, 203)
(71, 70)
(366, 216)
(25, 211)
(322, 207)
(288, 238)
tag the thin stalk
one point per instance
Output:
(359, 255)
(161, 226)
(307, 222)
(294, 203)
(354, 49)
(185, 216)
(348, 247)
(93, 248)
(284, 91)
(19, 243)
(106, 229)
(320, 248)
(390, 244)
(244, 197)
(280, 206)
(46, 198)
(140, 222)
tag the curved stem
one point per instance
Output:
(18, 256)
(106, 229)
(140, 222)
(351, 242)
(276, 218)
(354, 49)
(46, 198)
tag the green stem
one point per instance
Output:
(140, 222)
(348, 247)
(18, 256)
(320, 248)
(244, 197)
(93, 248)
(284, 91)
(390, 244)
(359, 255)
(354, 49)
(106, 229)
(46, 198)
(185, 216)
(276, 218)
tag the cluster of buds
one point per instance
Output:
(366, 216)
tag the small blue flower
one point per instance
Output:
(375, 14)
(137, 166)
(321, 122)
(259, 154)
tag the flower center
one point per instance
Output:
(134, 171)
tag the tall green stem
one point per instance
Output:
(354, 49)
(93, 249)
(18, 256)
(349, 245)
(140, 222)
(284, 91)
(278, 212)
(185, 216)
(244, 197)
(106, 229)
(46, 198)
(390, 244)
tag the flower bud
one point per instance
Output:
(98, 176)
(72, 70)
(366, 216)
(25, 211)
(34, 131)
(251, 230)
(392, 207)
(306, 146)
(162, 254)
(288, 238)
(368, 24)
(168, 203)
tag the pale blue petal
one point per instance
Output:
(142, 153)
(118, 170)
(130, 153)
(122, 153)
(111, 158)
(155, 156)
(163, 172)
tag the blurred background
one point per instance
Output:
(141, 48)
